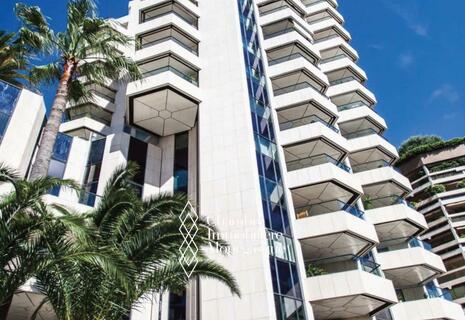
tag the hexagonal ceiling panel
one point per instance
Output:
(163, 112)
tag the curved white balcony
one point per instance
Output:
(397, 221)
(427, 309)
(311, 4)
(363, 111)
(347, 92)
(163, 103)
(323, 188)
(168, 45)
(321, 7)
(362, 147)
(141, 5)
(284, 14)
(349, 294)
(327, 30)
(333, 234)
(83, 127)
(410, 266)
(336, 42)
(322, 25)
(382, 182)
(289, 38)
(343, 68)
(301, 96)
(165, 20)
(311, 131)
(295, 65)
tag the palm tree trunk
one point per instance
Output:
(49, 135)
(5, 307)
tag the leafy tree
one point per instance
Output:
(416, 141)
(146, 233)
(86, 49)
(33, 238)
(435, 189)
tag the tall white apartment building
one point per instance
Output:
(258, 110)
(22, 113)
(442, 167)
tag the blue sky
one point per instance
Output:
(412, 50)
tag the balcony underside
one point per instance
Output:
(396, 222)
(435, 308)
(350, 294)
(410, 266)
(164, 111)
(334, 234)
(25, 302)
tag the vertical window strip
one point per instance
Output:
(288, 296)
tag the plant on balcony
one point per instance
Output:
(448, 165)
(87, 48)
(461, 184)
(313, 271)
(367, 202)
(435, 189)
(422, 144)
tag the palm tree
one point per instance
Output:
(33, 237)
(11, 59)
(87, 49)
(146, 233)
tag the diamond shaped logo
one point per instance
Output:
(188, 230)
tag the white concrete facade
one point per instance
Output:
(336, 202)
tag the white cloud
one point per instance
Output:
(410, 17)
(406, 60)
(446, 92)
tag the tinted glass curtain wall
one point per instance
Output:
(177, 302)
(285, 276)
(9, 95)
(93, 168)
(59, 159)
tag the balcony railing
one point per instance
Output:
(284, 6)
(369, 203)
(343, 80)
(181, 74)
(327, 38)
(363, 133)
(370, 165)
(334, 58)
(168, 38)
(304, 121)
(294, 87)
(334, 265)
(89, 115)
(327, 207)
(320, 19)
(192, 22)
(352, 105)
(314, 161)
(278, 33)
(435, 292)
(417, 243)
(288, 58)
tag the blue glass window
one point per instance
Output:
(8, 98)
(92, 173)
(59, 159)
(286, 285)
